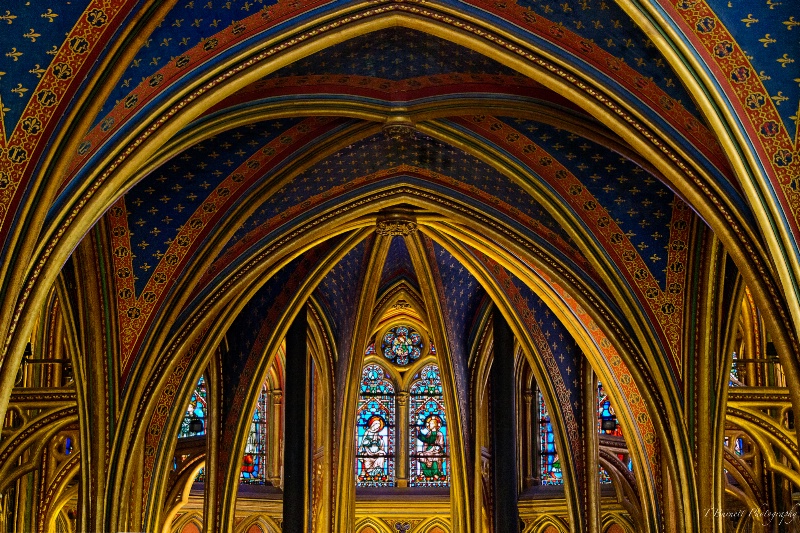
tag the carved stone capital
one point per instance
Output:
(402, 398)
(394, 228)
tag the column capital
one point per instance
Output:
(402, 397)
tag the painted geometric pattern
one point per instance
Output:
(379, 152)
(277, 301)
(245, 333)
(567, 354)
(627, 76)
(339, 293)
(135, 311)
(162, 203)
(32, 34)
(767, 32)
(622, 376)
(431, 179)
(31, 107)
(664, 305)
(608, 26)
(640, 204)
(394, 54)
(761, 111)
(184, 27)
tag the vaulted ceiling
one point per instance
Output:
(565, 157)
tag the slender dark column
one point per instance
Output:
(504, 431)
(295, 454)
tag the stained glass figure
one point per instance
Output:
(549, 462)
(428, 446)
(194, 419)
(733, 380)
(606, 417)
(375, 429)
(605, 477)
(738, 445)
(254, 467)
(402, 345)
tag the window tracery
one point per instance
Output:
(428, 432)
(375, 423)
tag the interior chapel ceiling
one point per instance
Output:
(459, 131)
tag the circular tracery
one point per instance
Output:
(402, 345)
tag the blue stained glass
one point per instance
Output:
(605, 413)
(402, 345)
(370, 348)
(733, 380)
(549, 462)
(428, 446)
(254, 461)
(375, 429)
(195, 412)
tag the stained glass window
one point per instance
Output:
(549, 462)
(402, 345)
(375, 429)
(428, 442)
(733, 380)
(370, 348)
(194, 419)
(254, 461)
(738, 445)
(606, 417)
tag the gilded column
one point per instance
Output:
(530, 446)
(276, 422)
(591, 444)
(402, 443)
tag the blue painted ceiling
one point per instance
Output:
(32, 33)
(164, 200)
(185, 26)
(606, 24)
(339, 292)
(398, 266)
(394, 54)
(639, 203)
(379, 152)
(769, 33)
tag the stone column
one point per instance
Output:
(296, 450)
(504, 431)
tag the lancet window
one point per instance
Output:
(254, 461)
(375, 423)
(549, 462)
(401, 422)
(430, 465)
(194, 420)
